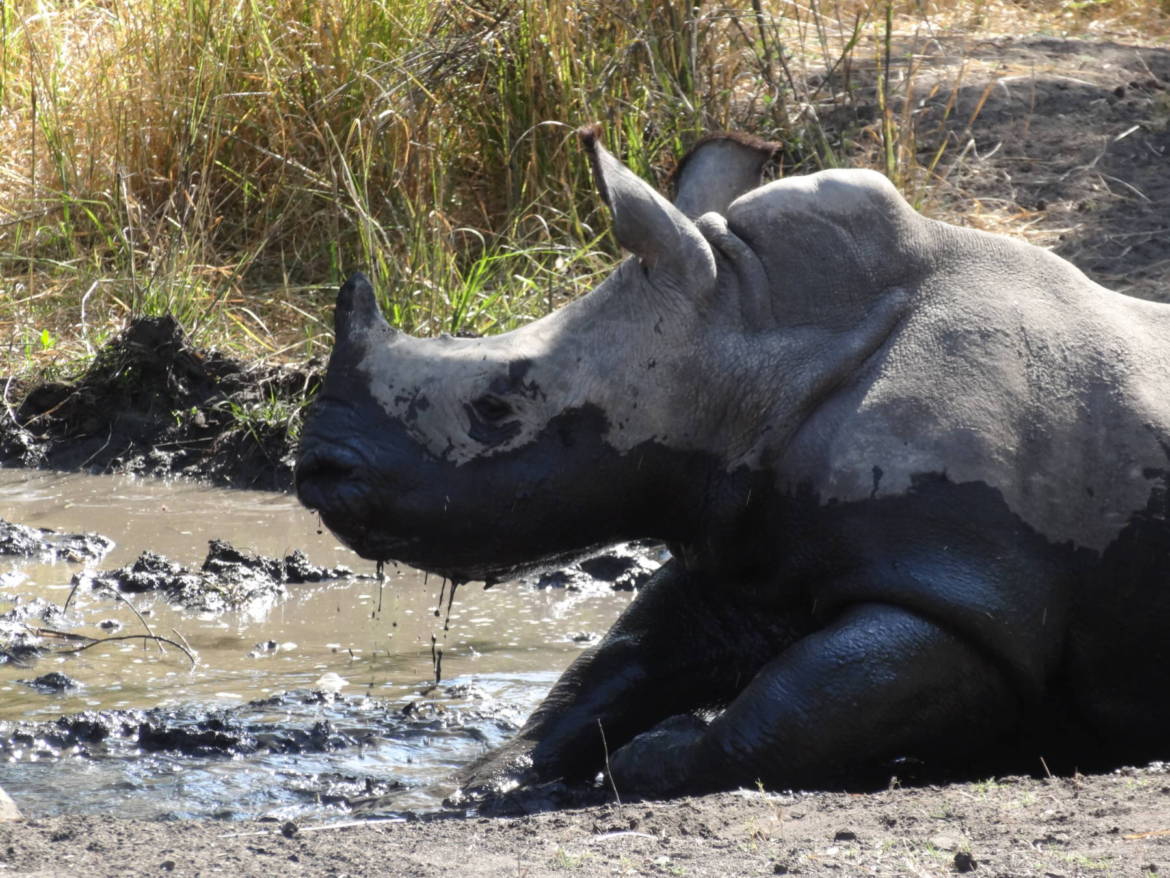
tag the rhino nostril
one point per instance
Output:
(324, 470)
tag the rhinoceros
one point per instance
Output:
(913, 478)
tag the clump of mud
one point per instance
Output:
(151, 403)
(23, 632)
(186, 730)
(19, 644)
(229, 578)
(50, 545)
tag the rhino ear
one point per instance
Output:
(717, 170)
(669, 245)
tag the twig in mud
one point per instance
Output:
(64, 635)
(105, 445)
(345, 824)
(72, 592)
(606, 836)
(1154, 833)
(134, 610)
(100, 640)
(7, 406)
(608, 773)
(179, 634)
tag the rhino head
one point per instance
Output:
(632, 412)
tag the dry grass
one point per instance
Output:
(229, 160)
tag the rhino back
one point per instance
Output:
(1008, 367)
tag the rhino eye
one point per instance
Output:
(491, 408)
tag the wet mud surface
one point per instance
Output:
(229, 579)
(189, 642)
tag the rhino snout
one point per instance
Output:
(333, 481)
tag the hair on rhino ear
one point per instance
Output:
(669, 245)
(718, 169)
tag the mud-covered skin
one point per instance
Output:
(914, 478)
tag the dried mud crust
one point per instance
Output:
(153, 404)
(1111, 825)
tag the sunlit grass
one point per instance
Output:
(229, 161)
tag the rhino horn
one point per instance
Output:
(357, 311)
(718, 169)
(668, 244)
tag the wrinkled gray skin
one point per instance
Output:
(914, 478)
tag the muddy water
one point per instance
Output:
(370, 643)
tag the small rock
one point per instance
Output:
(964, 862)
(845, 835)
(54, 681)
(8, 809)
(330, 683)
(945, 842)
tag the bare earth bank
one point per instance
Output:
(1116, 824)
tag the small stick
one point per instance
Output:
(64, 635)
(134, 610)
(605, 748)
(345, 824)
(100, 640)
(1154, 833)
(72, 592)
(179, 634)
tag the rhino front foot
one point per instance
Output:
(659, 763)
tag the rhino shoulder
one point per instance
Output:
(849, 195)
(832, 243)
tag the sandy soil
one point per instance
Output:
(1072, 137)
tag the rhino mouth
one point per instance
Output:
(337, 485)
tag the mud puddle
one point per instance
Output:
(295, 703)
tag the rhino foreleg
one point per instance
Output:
(682, 645)
(878, 683)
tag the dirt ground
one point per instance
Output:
(1116, 824)
(1071, 141)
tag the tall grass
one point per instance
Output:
(228, 161)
